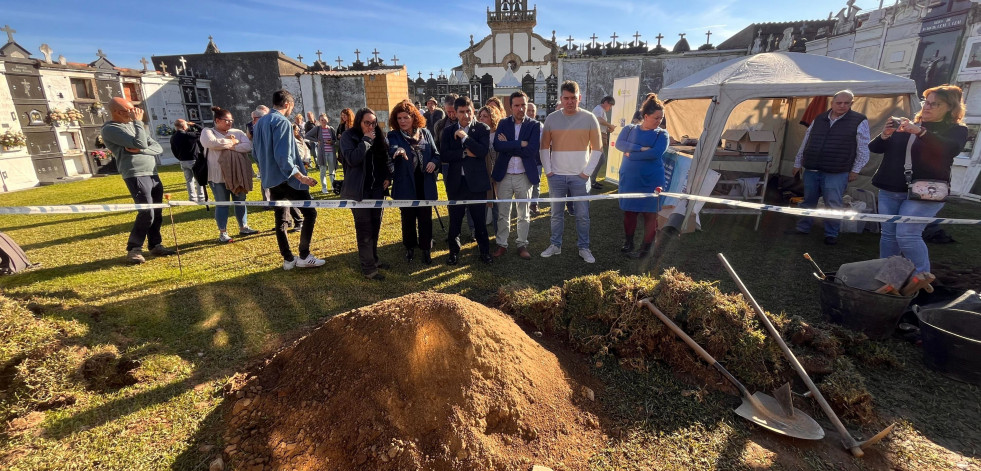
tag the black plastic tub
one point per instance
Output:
(952, 343)
(876, 315)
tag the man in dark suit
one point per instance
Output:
(463, 147)
(515, 171)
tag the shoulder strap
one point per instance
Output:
(908, 166)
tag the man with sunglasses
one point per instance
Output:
(136, 155)
(835, 148)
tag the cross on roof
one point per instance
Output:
(614, 38)
(420, 73)
(395, 60)
(101, 54)
(594, 38)
(144, 62)
(163, 67)
(318, 55)
(357, 55)
(46, 50)
(708, 34)
(339, 62)
(299, 57)
(210, 38)
(659, 38)
(637, 37)
(10, 32)
(440, 72)
(375, 53)
(183, 63)
(569, 40)
(682, 35)
(430, 75)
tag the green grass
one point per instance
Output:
(234, 304)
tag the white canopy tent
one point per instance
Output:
(771, 90)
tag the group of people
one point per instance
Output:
(492, 154)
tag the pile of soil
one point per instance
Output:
(427, 380)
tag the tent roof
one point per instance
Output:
(779, 74)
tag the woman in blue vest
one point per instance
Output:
(641, 171)
(938, 136)
(414, 160)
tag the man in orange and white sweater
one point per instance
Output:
(570, 151)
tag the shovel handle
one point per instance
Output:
(847, 440)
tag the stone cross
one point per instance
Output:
(594, 38)
(637, 38)
(27, 87)
(440, 72)
(183, 63)
(62, 60)
(101, 54)
(375, 53)
(318, 55)
(10, 32)
(614, 37)
(299, 57)
(163, 67)
(339, 62)
(109, 89)
(659, 38)
(210, 38)
(46, 50)
(430, 75)
(682, 35)
(357, 55)
(708, 35)
(569, 40)
(144, 62)
(395, 60)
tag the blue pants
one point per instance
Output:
(573, 185)
(905, 239)
(832, 187)
(220, 192)
(145, 190)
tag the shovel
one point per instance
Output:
(848, 441)
(775, 415)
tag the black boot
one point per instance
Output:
(645, 251)
(409, 254)
(628, 245)
(427, 258)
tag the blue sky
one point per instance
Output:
(426, 36)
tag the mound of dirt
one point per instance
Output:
(427, 380)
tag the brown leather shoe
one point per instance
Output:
(523, 253)
(500, 251)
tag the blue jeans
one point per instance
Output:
(536, 189)
(905, 239)
(221, 193)
(832, 187)
(573, 185)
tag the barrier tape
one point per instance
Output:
(348, 204)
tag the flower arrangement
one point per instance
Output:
(101, 154)
(164, 130)
(13, 139)
(55, 117)
(96, 107)
(73, 114)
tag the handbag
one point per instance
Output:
(200, 168)
(922, 190)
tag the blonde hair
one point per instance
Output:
(952, 95)
(495, 114)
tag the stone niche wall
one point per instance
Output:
(240, 81)
(595, 75)
(342, 92)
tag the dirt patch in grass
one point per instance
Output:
(426, 380)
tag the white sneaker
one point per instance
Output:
(224, 238)
(310, 262)
(587, 256)
(289, 264)
(551, 250)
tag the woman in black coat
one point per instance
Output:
(367, 175)
(414, 162)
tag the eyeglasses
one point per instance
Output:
(369, 123)
(932, 104)
(229, 121)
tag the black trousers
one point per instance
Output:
(421, 217)
(367, 225)
(479, 215)
(284, 192)
(146, 228)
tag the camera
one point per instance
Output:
(896, 122)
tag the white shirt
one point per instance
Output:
(515, 165)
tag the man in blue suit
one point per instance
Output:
(515, 171)
(463, 147)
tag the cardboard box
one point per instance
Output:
(748, 142)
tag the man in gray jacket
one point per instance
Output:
(135, 151)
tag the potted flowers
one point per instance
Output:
(55, 118)
(165, 130)
(13, 139)
(103, 156)
(74, 115)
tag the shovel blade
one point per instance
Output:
(768, 414)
